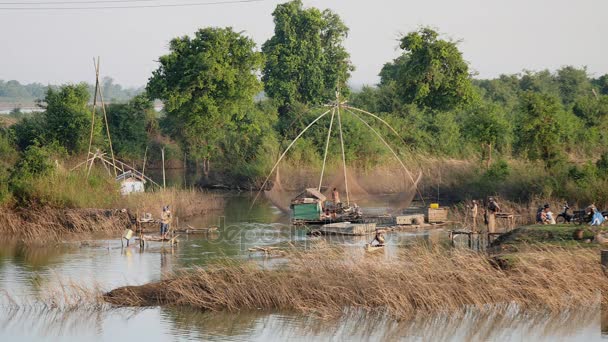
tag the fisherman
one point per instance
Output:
(165, 221)
(493, 208)
(474, 211)
(379, 237)
(335, 196)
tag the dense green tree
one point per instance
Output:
(573, 83)
(540, 131)
(30, 130)
(541, 82)
(128, 126)
(67, 117)
(207, 83)
(487, 127)
(601, 84)
(305, 58)
(433, 73)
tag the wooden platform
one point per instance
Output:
(192, 230)
(348, 228)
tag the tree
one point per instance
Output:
(128, 123)
(487, 127)
(573, 83)
(67, 117)
(207, 83)
(432, 73)
(539, 131)
(305, 59)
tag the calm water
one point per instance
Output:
(27, 274)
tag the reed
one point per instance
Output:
(328, 282)
(183, 203)
(50, 224)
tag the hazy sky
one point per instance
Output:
(498, 36)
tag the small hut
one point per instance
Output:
(308, 206)
(130, 183)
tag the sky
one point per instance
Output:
(497, 36)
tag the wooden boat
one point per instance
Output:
(371, 249)
(311, 207)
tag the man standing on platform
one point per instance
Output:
(474, 211)
(165, 221)
(493, 208)
(335, 196)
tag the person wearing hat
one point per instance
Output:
(493, 208)
(165, 221)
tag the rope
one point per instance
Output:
(283, 155)
(343, 155)
(333, 113)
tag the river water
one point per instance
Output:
(29, 274)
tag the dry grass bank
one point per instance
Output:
(183, 203)
(327, 282)
(45, 223)
(49, 224)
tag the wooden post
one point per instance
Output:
(162, 152)
(604, 258)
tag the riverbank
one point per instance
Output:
(39, 224)
(328, 281)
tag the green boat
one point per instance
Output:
(312, 207)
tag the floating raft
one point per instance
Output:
(192, 230)
(347, 228)
(158, 238)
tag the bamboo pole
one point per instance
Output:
(333, 113)
(96, 66)
(105, 116)
(343, 155)
(143, 167)
(162, 151)
(283, 155)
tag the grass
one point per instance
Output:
(38, 225)
(183, 203)
(327, 282)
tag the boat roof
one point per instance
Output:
(314, 193)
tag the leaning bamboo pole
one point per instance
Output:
(333, 113)
(283, 155)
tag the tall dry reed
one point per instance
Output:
(183, 203)
(327, 282)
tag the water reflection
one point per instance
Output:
(499, 323)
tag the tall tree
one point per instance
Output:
(305, 59)
(539, 130)
(432, 72)
(486, 126)
(573, 83)
(207, 83)
(67, 116)
(128, 123)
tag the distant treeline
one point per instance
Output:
(17, 93)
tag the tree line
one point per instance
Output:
(211, 84)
